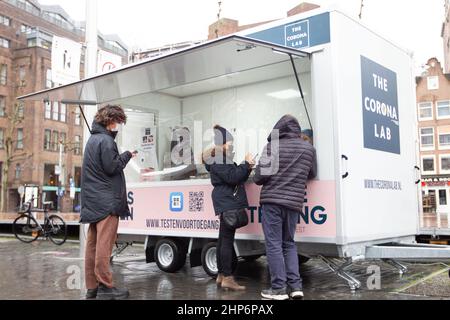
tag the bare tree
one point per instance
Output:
(13, 155)
(219, 3)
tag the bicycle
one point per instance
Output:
(27, 229)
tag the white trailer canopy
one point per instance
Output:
(184, 73)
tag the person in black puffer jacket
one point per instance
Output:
(103, 200)
(228, 194)
(286, 164)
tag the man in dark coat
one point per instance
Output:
(103, 200)
(286, 164)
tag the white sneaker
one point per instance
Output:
(296, 294)
(272, 294)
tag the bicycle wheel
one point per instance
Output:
(26, 228)
(56, 230)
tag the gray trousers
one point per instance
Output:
(279, 224)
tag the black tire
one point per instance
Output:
(302, 259)
(170, 255)
(252, 258)
(57, 230)
(209, 259)
(23, 228)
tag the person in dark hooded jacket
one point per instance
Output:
(286, 164)
(103, 200)
(228, 194)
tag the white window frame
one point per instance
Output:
(55, 115)
(20, 134)
(437, 110)
(425, 173)
(429, 82)
(419, 106)
(442, 171)
(48, 110)
(2, 138)
(420, 140)
(63, 112)
(441, 147)
(77, 116)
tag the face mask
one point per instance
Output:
(115, 129)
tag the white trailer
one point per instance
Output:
(352, 88)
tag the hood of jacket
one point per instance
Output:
(287, 127)
(97, 128)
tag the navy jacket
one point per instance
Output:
(229, 190)
(103, 189)
(285, 166)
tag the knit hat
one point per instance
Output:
(221, 135)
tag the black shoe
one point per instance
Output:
(275, 294)
(91, 293)
(105, 293)
(296, 294)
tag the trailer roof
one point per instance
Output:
(218, 58)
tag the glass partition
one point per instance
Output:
(172, 127)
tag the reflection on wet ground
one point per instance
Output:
(44, 271)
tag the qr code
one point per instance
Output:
(196, 201)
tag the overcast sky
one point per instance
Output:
(415, 25)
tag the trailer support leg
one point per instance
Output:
(340, 271)
(402, 269)
(120, 247)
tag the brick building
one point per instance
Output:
(226, 26)
(433, 103)
(26, 31)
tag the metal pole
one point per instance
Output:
(60, 176)
(90, 69)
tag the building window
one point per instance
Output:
(5, 21)
(443, 109)
(47, 137)
(425, 111)
(445, 163)
(444, 140)
(48, 110)
(77, 116)
(22, 75)
(26, 29)
(443, 197)
(77, 145)
(55, 111)
(4, 43)
(428, 166)
(2, 106)
(62, 112)
(21, 109)
(427, 138)
(55, 141)
(19, 138)
(18, 171)
(433, 83)
(3, 74)
(2, 138)
(48, 79)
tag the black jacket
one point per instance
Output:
(103, 189)
(225, 178)
(285, 166)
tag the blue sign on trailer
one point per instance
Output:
(300, 34)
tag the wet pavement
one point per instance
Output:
(44, 271)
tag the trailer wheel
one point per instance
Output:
(209, 259)
(170, 255)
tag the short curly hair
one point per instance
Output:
(110, 114)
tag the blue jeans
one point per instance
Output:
(279, 224)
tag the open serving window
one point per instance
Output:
(173, 102)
